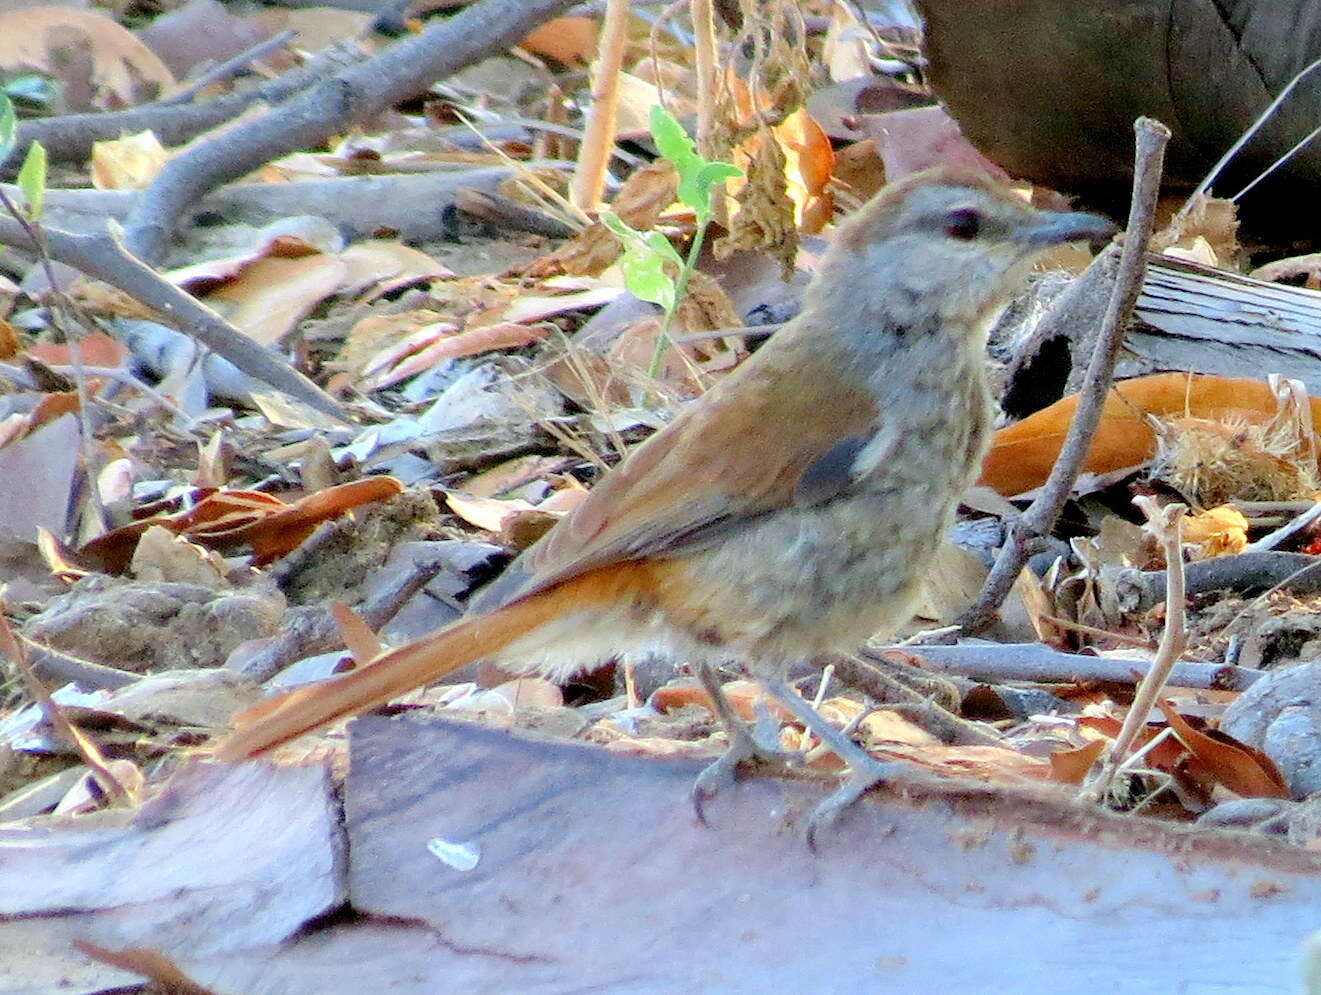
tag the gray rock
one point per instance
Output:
(1281, 716)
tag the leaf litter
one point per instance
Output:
(467, 433)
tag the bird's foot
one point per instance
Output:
(747, 744)
(864, 770)
(860, 779)
(719, 774)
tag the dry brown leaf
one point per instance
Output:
(1208, 233)
(379, 341)
(160, 555)
(535, 307)
(317, 27)
(629, 360)
(568, 40)
(951, 581)
(150, 964)
(358, 637)
(226, 520)
(1071, 765)
(1219, 531)
(530, 691)
(706, 306)
(765, 217)
(1241, 769)
(486, 513)
(271, 296)
(1023, 453)
(996, 764)
(8, 340)
(858, 170)
(1306, 268)
(97, 349)
(810, 161)
(473, 342)
(274, 535)
(641, 198)
(513, 473)
(205, 277)
(743, 697)
(101, 64)
(380, 266)
(845, 52)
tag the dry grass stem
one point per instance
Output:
(599, 134)
(1163, 524)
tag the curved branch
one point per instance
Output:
(306, 120)
(69, 137)
(103, 257)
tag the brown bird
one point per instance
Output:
(787, 513)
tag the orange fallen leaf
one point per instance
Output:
(358, 637)
(97, 349)
(226, 520)
(282, 532)
(1071, 766)
(1237, 766)
(1023, 453)
(568, 40)
(743, 697)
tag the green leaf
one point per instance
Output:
(8, 126)
(672, 142)
(696, 175)
(32, 179)
(712, 173)
(646, 279)
(643, 262)
(660, 245)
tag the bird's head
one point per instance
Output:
(950, 241)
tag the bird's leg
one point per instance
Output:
(864, 770)
(745, 744)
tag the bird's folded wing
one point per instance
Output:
(699, 476)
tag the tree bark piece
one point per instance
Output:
(481, 861)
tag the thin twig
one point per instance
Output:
(704, 51)
(54, 665)
(1041, 515)
(68, 328)
(306, 120)
(228, 68)
(1297, 147)
(1163, 523)
(89, 752)
(104, 258)
(118, 374)
(1280, 536)
(998, 663)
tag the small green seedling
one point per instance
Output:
(653, 270)
(32, 174)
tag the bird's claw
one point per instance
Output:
(854, 787)
(719, 774)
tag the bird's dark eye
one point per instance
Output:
(963, 223)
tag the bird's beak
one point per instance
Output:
(1055, 227)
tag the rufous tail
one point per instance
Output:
(286, 716)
